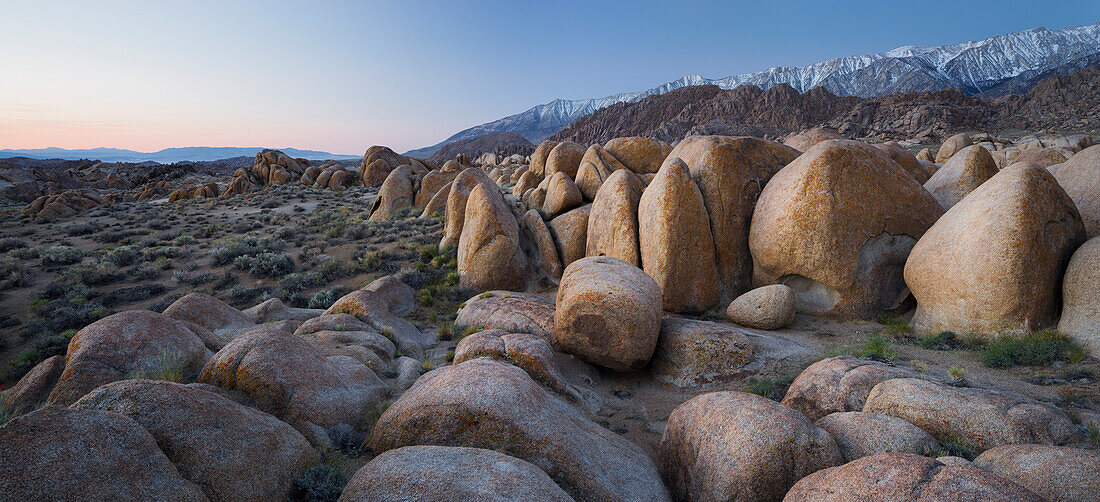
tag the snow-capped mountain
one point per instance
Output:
(974, 67)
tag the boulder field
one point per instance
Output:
(631, 282)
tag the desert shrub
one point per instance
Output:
(123, 256)
(167, 366)
(84, 228)
(14, 273)
(1040, 348)
(325, 299)
(145, 272)
(320, 483)
(944, 340)
(265, 264)
(192, 277)
(23, 253)
(771, 388)
(61, 255)
(93, 272)
(10, 243)
(235, 247)
(125, 296)
(877, 348)
(43, 349)
(248, 296)
(161, 305)
(75, 308)
(226, 280)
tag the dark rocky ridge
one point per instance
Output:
(1067, 103)
(500, 143)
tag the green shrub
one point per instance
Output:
(1040, 348)
(895, 326)
(167, 366)
(774, 389)
(123, 256)
(61, 255)
(877, 348)
(320, 483)
(265, 264)
(10, 243)
(325, 299)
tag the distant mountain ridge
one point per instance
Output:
(166, 156)
(974, 67)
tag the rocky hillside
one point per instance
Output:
(502, 143)
(1065, 103)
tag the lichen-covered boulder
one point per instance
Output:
(125, 345)
(838, 384)
(395, 194)
(430, 185)
(538, 157)
(906, 160)
(570, 232)
(608, 313)
(1044, 157)
(952, 146)
(489, 255)
(61, 454)
(964, 172)
(214, 441)
(1081, 297)
(1057, 473)
(836, 225)
(981, 417)
(488, 404)
(768, 307)
(740, 446)
(903, 477)
(509, 312)
(810, 137)
(995, 260)
(526, 181)
(34, 387)
(640, 155)
(676, 246)
(1080, 177)
(285, 376)
(730, 173)
(450, 473)
(565, 158)
(596, 166)
(208, 312)
(562, 195)
(455, 213)
(694, 353)
(859, 434)
(549, 259)
(613, 221)
(525, 351)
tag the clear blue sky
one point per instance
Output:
(341, 76)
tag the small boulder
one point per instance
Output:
(395, 194)
(962, 174)
(509, 312)
(1081, 297)
(608, 313)
(538, 157)
(902, 477)
(215, 442)
(1044, 157)
(838, 384)
(808, 138)
(450, 473)
(1057, 473)
(210, 313)
(596, 166)
(64, 454)
(767, 307)
(906, 160)
(562, 195)
(285, 376)
(640, 155)
(740, 446)
(693, 354)
(860, 434)
(1080, 177)
(982, 417)
(34, 387)
(549, 260)
(126, 345)
(488, 404)
(952, 146)
(565, 158)
(570, 232)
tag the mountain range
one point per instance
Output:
(166, 156)
(999, 65)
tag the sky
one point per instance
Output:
(340, 76)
